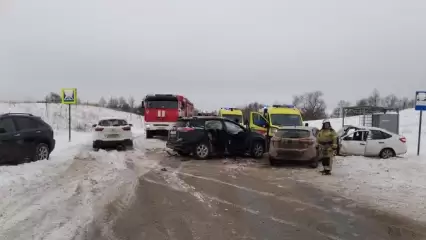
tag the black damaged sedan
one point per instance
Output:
(207, 136)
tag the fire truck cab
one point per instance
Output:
(161, 112)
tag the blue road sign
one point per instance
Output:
(420, 101)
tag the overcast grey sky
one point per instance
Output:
(217, 52)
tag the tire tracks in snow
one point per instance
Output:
(172, 180)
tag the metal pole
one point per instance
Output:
(420, 133)
(363, 117)
(69, 122)
(343, 116)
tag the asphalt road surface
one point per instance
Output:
(224, 199)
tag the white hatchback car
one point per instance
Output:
(372, 141)
(112, 133)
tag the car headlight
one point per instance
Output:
(274, 130)
(147, 126)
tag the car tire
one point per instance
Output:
(257, 150)
(42, 151)
(129, 145)
(95, 146)
(149, 134)
(314, 164)
(387, 153)
(272, 161)
(202, 151)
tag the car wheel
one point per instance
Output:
(272, 161)
(387, 153)
(149, 134)
(202, 151)
(257, 150)
(314, 164)
(42, 152)
(95, 147)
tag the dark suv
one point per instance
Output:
(207, 136)
(24, 138)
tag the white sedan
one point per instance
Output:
(112, 133)
(372, 141)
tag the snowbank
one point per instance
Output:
(397, 184)
(82, 116)
(60, 198)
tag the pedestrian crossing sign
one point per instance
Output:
(69, 95)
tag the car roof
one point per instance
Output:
(111, 118)
(371, 128)
(298, 127)
(17, 114)
(202, 117)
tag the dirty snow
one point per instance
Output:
(59, 198)
(398, 184)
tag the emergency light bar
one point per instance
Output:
(284, 106)
(232, 109)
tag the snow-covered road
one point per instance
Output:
(59, 198)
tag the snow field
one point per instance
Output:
(397, 184)
(82, 116)
(60, 198)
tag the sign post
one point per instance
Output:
(420, 106)
(69, 96)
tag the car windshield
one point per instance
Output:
(235, 118)
(190, 123)
(286, 120)
(112, 122)
(293, 133)
(161, 104)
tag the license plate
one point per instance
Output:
(112, 135)
(173, 132)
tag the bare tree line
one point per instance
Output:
(116, 103)
(311, 104)
(313, 107)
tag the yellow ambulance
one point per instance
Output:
(233, 114)
(275, 116)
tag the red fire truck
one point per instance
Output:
(161, 111)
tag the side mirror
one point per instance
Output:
(94, 125)
(131, 125)
(2, 130)
(306, 124)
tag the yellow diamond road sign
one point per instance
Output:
(69, 95)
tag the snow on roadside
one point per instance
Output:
(59, 198)
(397, 184)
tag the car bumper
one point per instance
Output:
(52, 145)
(114, 143)
(159, 126)
(179, 146)
(293, 155)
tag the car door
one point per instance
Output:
(375, 143)
(9, 150)
(29, 134)
(217, 135)
(237, 137)
(258, 123)
(354, 143)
